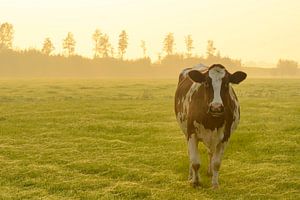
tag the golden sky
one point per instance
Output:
(251, 30)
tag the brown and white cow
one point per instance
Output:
(207, 110)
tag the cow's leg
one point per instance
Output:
(190, 172)
(216, 163)
(209, 168)
(194, 160)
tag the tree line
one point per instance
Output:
(102, 46)
(105, 55)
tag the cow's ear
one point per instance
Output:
(196, 76)
(237, 77)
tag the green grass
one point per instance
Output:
(118, 139)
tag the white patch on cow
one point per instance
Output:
(194, 88)
(193, 150)
(216, 74)
(236, 111)
(216, 163)
(185, 72)
(186, 101)
(182, 121)
(194, 156)
(211, 138)
(200, 67)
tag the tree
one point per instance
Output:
(210, 49)
(105, 46)
(123, 43)
(97, 38)
(189, 45)
(144, 49)
(69, 44)
(6, 35)
(48, 47)
(169, 44)
(102, 45)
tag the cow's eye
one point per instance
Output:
(206, 84)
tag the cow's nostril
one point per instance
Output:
(213, 109)
(216, 108)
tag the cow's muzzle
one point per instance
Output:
(216, 109)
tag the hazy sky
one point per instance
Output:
(252, 30)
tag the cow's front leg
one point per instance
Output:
(216, 163)
(194, 160)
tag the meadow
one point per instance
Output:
(119, 139)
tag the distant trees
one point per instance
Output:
(6, 35)
(210, 49)
(69, 44)
(123, 43)
(169, 44)
(189, 45)
(287, 64)
(287, 67)
(144, 49)
(48, 47)
(102, 46)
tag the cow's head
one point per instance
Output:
(216, 83)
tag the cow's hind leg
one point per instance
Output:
(216, 163)
(209, 168)
(194, 160)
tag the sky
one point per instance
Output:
(260, 31)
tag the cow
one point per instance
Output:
(207, 110)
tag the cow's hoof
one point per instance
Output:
(195, 184)
(215, 186)
(209, 173)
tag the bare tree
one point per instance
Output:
(123, 43)
(6, 35)
(48, 46)
(210, 49)
(69, 44)
(102, 45)
(105, 45)
(144, 48)
(189, 45)
(169, 44)
(97, 38)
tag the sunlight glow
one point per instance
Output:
(249, 30)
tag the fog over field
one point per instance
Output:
(118, 139)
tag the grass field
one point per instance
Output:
(118, 139)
